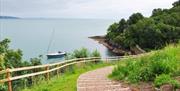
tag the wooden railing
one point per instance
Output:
(49, 68)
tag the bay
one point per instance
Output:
(32, 36)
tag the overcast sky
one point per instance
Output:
(104, 9)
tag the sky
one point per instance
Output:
(98, 9)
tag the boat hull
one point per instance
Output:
(55, 56)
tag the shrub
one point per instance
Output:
(119, 73)
(165, 79)
(3, 87)
(148, 67)
(81, 53)
(95, 53)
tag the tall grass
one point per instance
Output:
(148, 68)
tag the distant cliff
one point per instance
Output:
(8, 17)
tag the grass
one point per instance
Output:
(148, 68)
(66, 81)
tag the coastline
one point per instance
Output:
(119, 51)
(102, 40)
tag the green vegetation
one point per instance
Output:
(159, 67)
(83, 53)
(95, 53)
(10, 58)
(66, 81)
(165, 79)
(161, 28)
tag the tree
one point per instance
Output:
(177, 3)
(162, 28)
(122, 25)
(157, 12)
(134, 18)
(35, 61)
(11, 58)
(113, 27)
(4, 45)
(112, 31)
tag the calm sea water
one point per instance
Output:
(32, 36)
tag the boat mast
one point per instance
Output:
(0, 32)
(51, 39)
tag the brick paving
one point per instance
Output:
(97, 80)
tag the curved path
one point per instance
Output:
(97, 80)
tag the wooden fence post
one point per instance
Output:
(47, 74)
(83, 59)
(8, 74)
(57, 71)
(106, 60)
(95, 60)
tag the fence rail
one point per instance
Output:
(49, 68)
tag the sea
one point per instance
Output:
(33, 36)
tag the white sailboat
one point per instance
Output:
(58, 54)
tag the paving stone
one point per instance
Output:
(97, 80)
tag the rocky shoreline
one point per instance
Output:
(120, 51)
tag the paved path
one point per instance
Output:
(97, 80)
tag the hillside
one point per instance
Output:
(147, 33)
(8, 17)
(157, 68)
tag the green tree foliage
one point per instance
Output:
(162, 28)
(35, 61)
(134, 18)
(10, 58)
(1, 62)
(177, 3)
(122, 25)
(81, 53)
(95, 53)
(157, 12)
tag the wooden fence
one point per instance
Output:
(48, 68)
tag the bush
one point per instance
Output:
(95, 53)
(121, 71)
(3, 87)
(148, 67)
(81, 53)
(165, 79)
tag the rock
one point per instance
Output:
(157, 89)
(135, 89)
(178, 78)
(147, 88)
(166, 87)
(137, 50)
(119, 51)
